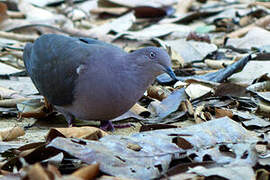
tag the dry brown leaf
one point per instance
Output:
(183, 143)
(104, 177)
(223, 112)
(113, 11)
(40, 112)
(214, 64)
(140, 110)
(54, 170)
(12, 102)
(156, 93)
(87, 172)
(36, 171)
(189, 107)
(134, 147)
(262, 22)
(3, 12)
(26, 152)
(86, 132)
(11, 134)
(198, 114)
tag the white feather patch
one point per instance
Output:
(80, 69)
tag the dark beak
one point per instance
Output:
(170, 72)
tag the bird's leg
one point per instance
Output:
(123, 125)
(69, 118)
(106, 125)
(48, 106)
(109, 126)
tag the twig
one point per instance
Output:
(15, 14)
(18, 37)
(12, 102)
(70, 31)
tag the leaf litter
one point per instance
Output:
(211, 123)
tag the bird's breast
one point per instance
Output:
(100, 96)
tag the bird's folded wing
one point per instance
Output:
(51, 62)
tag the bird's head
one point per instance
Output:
(153, 60)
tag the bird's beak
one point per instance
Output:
(170, 72)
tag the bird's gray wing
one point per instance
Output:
(51, 62)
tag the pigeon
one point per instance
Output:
(89, 79)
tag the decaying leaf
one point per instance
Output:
(118, 25)
(7, 135)
(252, 39)
(90, 133)
(136, 3)
(157, 93)
(116, 159)
(87, 172)
(196, 90)
(192, 50)
(157, 30)
(231, 172)
(140, 110)
(219, 52)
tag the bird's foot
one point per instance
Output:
(123, 125)
(106, 125)
(109, 126)
(69, 118)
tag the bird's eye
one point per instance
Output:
(152, 55)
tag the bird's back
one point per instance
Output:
(52, 61)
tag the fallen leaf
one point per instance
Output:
(116, 159)
(250, 72)
(153, 12)
(3, 12)
(136, 3)
(13, 133)
(157, 93)
(223, 112)
(191, 50)
(252, 39)
(118, 25)
(156, 30)
(196, 90)
(228, 172)
(90, 133)
(37, 172)
(140, 110)
(88, 172)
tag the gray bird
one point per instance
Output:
(90, 79)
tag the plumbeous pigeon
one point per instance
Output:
(90, 79)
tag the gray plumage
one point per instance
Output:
(90, 79)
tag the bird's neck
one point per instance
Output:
(139, 77)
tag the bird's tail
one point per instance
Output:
(27, 55)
